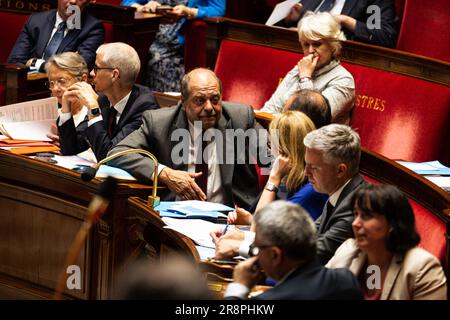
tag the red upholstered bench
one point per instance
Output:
(195, 45)
(251, 73)
(401, 117)
(424, 29)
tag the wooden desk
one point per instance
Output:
(42, 206)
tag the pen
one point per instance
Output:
(225, 230)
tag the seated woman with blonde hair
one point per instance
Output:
(320, 38)
(287, 179)
(384, 255)
(63, 70)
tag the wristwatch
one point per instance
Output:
(95, 111)
(271, 187)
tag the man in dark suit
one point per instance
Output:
(222, 170)
(332, 165)
(354, 18)
(288, 255)
(116, 112)
(47, 33)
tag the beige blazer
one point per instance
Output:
(417, 275)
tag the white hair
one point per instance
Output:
(338, 143)
(123, 57)
(321, 26)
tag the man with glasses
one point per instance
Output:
(50, 32)
(175, 136)
(117, 110)
(285, 248)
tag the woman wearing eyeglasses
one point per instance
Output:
(63, 70)
(384, 255)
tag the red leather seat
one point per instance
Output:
(108, 31)
(401, 117)
(424, 29)
(15, 22)
(250, 73)
(195, 45)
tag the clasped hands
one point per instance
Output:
(173, 15)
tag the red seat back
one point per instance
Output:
(401, 117)
(195, 45)
(424, 29)
(108, 31)
(250, 73)
(14, 23)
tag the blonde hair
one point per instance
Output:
(322, 26)
(71, 62)
(292, 127)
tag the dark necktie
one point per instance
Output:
(326, 5)
(112, 121)
(201, 165)
(55, 41)
(330, 209)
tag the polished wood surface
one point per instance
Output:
(353, 52)
(42, 206)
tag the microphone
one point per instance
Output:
(89, 173)
(96, 209)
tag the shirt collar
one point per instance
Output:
(58, 19)
(120, 106)
(335, 196)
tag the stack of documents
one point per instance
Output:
(192, 209)
(25, 126)
(434, 171)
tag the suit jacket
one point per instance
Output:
(333, 229)
(75, 140)
(315, 282)
(37, 30)
(385, 36)
(240, 181)
(413, 276)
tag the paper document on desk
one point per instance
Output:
(427, 168)
(196, 229)
(192, 209)
(30, 120)
(280, 11)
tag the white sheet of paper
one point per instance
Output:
(42, 109)
(196, 229)
(440, 181)
(416, 166)
(28, 130)
(280, 11)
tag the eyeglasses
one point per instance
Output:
(62, 83)
(96, 68)
(255, 250)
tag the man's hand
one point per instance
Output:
(294, 14)
(248, 272)
(227, 246)
(84, 92)
(346, 22)
(307, 65)
(182, 183)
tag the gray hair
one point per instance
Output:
(288, 226)
(185, 88)
(71, 62)
(338, 142)
(123, 57)
(321, 26)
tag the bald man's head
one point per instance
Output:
(311, 103)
